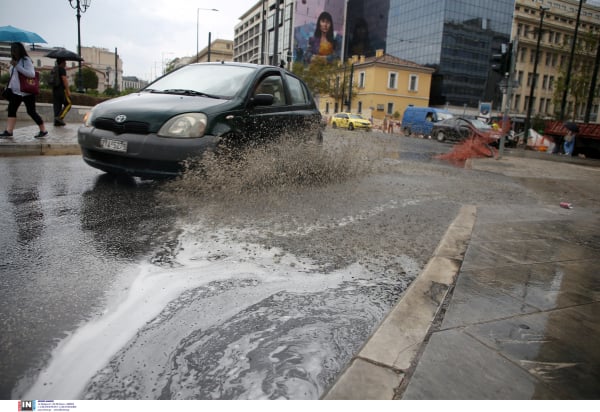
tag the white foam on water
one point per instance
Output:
(202, 259)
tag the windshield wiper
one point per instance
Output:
(188, 92)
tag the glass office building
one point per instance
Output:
(456, 37)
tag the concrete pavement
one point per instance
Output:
(508, 307)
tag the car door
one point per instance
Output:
(304, 117)
(266, 122)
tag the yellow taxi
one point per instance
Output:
(350, 121)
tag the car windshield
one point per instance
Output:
(222, 81)
(355, 116)
(444, 116)
(478, 124)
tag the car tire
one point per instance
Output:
(350, 126)
(334, 125)
(440, 136)
(407, 131)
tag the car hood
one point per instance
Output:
(155, 108)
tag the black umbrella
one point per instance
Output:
(61, 53)
(572, 127)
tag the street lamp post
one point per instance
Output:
(81, 6)
(198, 29)
(543, 10)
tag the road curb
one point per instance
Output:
(382, 363)
(39, 149)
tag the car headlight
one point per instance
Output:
(88, 118)
(185, 125)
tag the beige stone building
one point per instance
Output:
(555, 47)
(220, 51)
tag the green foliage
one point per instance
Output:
(111, 92)
(326, 79)
(90, 78)
(581, 73)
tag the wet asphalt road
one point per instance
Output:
(140, 290)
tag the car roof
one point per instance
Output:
(240, 64)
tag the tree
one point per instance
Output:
(581, 75)
(90, 79)
(326, 79)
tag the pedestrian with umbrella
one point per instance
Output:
(21, 63)
(61, 94)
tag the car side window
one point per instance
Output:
(272, 85)
(298, 93)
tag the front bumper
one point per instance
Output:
(147, 156)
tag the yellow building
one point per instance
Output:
(384, 85)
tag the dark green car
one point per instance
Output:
(196, 108)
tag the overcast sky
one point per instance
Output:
(145, 32)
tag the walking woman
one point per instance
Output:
(21, 63)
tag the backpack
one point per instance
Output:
(54, 80)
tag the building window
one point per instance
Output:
(523, 53)
(413, 83)
(551, 83)
(545, 82)
(390, 108)
(392, 80)
(517, 102)
(361, 80)
(327, 107)
(359, 107)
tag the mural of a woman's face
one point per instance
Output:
(324, 25)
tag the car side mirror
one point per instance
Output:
(262, 99)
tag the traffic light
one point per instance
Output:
(501, 63)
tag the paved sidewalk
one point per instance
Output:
(507, 308)
(60, 141)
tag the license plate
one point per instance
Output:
(115, 145)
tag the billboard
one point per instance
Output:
(319, 27)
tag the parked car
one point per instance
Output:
(420, 120)
(460, 128)
(350, 121)
(196, 108)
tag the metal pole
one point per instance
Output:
(509, 83)
(116, 71)
(197, 29)
(568, 78)
(276, 39)
(590, 102)
(79, 74)
(350, 87)
(533, 80)
(263, 37)
(208, 59)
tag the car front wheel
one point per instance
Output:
(350, 126)
(406, 131)
(334, 125)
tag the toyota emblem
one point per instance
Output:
(120, 118)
